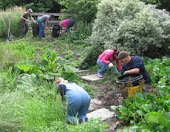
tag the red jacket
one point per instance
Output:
(107, 57)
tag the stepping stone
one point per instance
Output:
(91, 78)
(94, 104)
(82, 71)
(102, 113)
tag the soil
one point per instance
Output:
(108, 92)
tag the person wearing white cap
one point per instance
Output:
(24, 20)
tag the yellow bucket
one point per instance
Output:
(130, 84)
(132, 90)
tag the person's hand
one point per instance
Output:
(124, 73)
(110, 65)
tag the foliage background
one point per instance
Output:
(133, 26)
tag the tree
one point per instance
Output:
(36, 5)
(84, 10)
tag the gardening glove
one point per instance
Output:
(110, 65)
(124, 73)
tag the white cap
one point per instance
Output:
(29, 10)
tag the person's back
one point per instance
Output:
(64, 23)
(77, 98)
(45, 17)
(106, 56)
(75, 92)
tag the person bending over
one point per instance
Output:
(77, 100)
(105, 60)
(67, 23)
(42, 23)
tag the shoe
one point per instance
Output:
(99, 75)
(86, 119)
(80, 121)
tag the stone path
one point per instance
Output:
(102, 114)
(91, 78)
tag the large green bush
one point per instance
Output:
(10, 21)
(133, 26)
(84, 10)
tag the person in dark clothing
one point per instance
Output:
(24, 19)
(135, 65)
(78, 100)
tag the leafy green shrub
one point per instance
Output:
(48, 67)
(7, 80)
(91, 58)
(10, 21)
(85, 10)
(79, 35)
(133, 26)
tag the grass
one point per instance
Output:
(10, 21)
(31, 104)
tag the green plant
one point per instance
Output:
(49, 67)
(91, 126)
(85, 10)
(9, 115)
(10, 21)
(15, 52)
(149, 112)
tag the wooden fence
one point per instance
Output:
(54, 20)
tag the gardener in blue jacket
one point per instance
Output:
(42, 23)
(77, 98)
(135, 65)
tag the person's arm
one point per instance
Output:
(118, 65)
(46, 21)
(132, 71)
(22, 17)
(105, 59)
(62, 90)
(32, 19)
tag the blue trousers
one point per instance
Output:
(41, 28)
(103, 67)
(77, 108)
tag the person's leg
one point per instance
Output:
(83, 110)
(70, 24)
(43, 31)
(40, 26)
(72, 110)
(102, 66)
(26, 28)
(23, 28)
